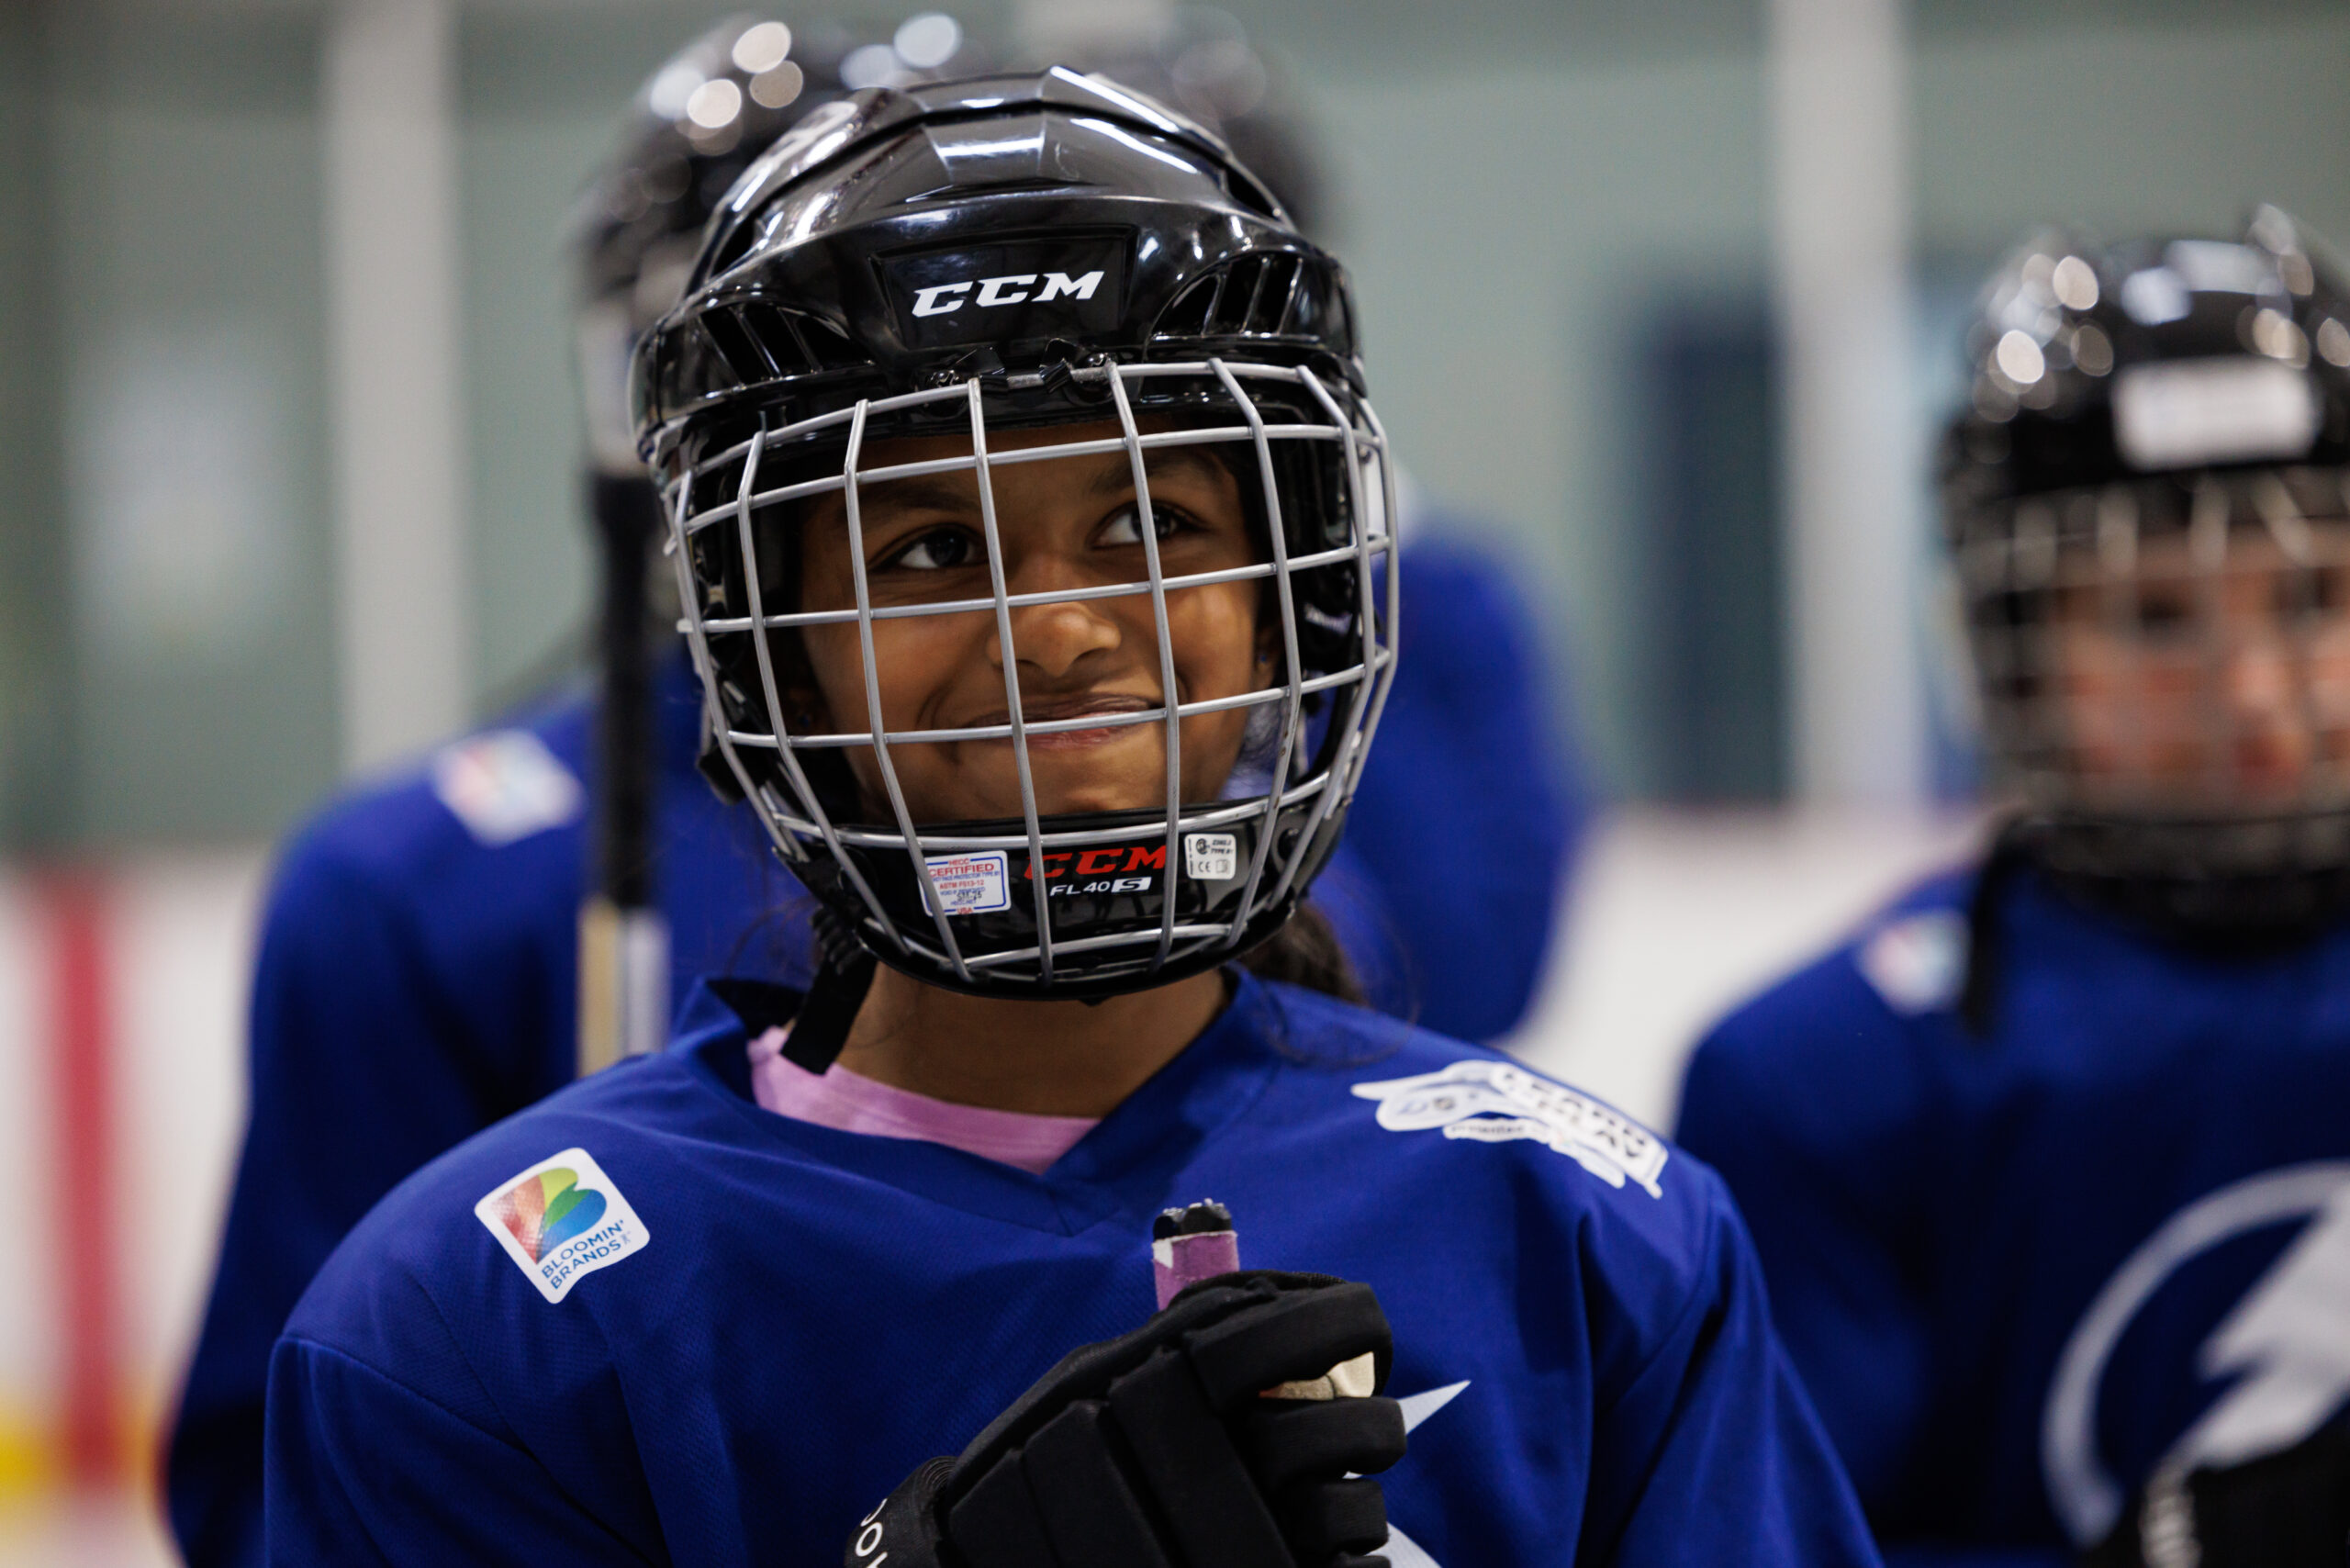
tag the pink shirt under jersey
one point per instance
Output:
(850, 1103)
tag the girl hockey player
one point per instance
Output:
(1025, 507)
(427, 965)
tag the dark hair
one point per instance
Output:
(1305, 952)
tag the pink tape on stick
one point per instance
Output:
(1191, 1243)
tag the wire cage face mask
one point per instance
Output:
(2165, 668)
(928, 825)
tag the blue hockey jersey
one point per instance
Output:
(1468, 811)
(647, 1321)
(417, 980)
(418, 977)
(2019, 1271)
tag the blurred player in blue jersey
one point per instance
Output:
(419, 972)
(427, 965)
(2049, 1168)
(1024, 501)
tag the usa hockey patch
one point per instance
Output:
(562, 1220)
(1492, 1101)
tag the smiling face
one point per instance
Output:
(1065, 525)
(2198, 688)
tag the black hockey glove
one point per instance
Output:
(1161, 1449)
(2289, 1509)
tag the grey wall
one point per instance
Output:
(171, 467)
(1528, 188)
(1518, 230)
(34, 619)
(2131, 128)
(1512, 231)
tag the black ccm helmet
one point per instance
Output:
(2151, 422)
(1003, 254)
(1198, 60)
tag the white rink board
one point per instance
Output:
(1676, 916)
(179, 931)
(29, 1340)
(183, 931)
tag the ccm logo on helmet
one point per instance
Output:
(1016, 288)
(1056, 287)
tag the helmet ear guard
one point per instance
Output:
(1257, 367)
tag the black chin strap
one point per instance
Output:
(822, 1028)
(816, 1021)
(2214, 915)
(843, 974)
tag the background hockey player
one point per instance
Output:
(2048, 1169)
(418, 973)
(421, 972)
(1037, 612)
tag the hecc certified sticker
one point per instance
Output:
(970, 884)
(1212, 856)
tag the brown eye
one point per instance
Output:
(939, 550)
(2164, 609)
(1124, 525)
(2304, 594)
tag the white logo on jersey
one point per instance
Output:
(506, 784)
(1916, 964)
(1492, 1101)
(1402, 1551)
(2288, 1339)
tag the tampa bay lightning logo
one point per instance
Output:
(1402, 1551)
(2284, 1347)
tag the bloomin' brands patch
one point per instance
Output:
(1492, 1102)
(562, 1220)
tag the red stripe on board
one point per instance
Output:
(82, 1040)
